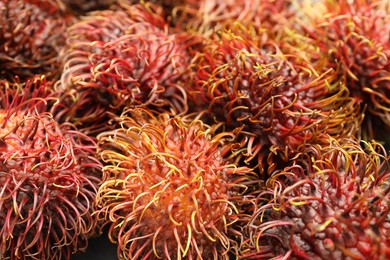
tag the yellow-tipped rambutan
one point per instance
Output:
(167, 191)
(48, 177)
(333, 202)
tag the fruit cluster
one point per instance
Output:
(202, 129)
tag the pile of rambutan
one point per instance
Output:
(195, 129)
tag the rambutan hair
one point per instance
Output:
(331, 203)
(274, 99)
(31, 36)
(168, 192)
(48, 176)
(123, 58)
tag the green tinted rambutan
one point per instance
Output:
(31, 35)
(48, 177)
(167, 191)
(331, 203)
(122, 58)
(354, 37)
(276, 101)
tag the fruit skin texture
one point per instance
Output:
(332, 203)
(48, 174)
(31, 36)
(167, 191)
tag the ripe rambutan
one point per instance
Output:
(31, 35)
(354, 37)
(123, 58)
(48, 177)
(332, 203)
(276, 100)
(168, 192)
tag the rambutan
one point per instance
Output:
(122, 58)
(332, 203)
(48, 174)
(168, 192)
(354, 38)
(31, 35)
(276, 100)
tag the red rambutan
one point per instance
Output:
(123, 58)
(354, 38)
(48, 174)
(276, 100)
(167, 190)
(31, 35)
(332, 203)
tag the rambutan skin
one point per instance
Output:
(31, 36)
(48, 174)
(332, 203)
(167, 191)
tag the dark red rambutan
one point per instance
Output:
(48, 177)
(276, 100)
(31, 35)
(332, 203)
(354, 37)
(167, 191)
(122, 59)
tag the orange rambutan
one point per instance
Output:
(167, 191)
(48, 177)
